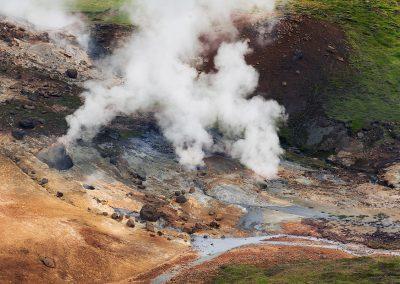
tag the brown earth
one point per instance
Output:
(82, 247)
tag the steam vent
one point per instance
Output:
(56, 157)
(199, 141)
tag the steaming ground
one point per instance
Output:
(46, 15)
(160, 71)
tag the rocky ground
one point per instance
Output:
(121, 209)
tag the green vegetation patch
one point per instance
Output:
(106, 11)
(356, 270)
(371, 91)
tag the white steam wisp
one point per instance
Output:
(159, 73)
(49, 15)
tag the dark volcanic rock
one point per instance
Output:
(130, 223)
(89, 187)
(56, 157)
(117, 216)
(18, 134)
(48, 262)
(181, 199)
(28, 123)
(72, 73)
(150, 213)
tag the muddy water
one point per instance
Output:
(210, 248)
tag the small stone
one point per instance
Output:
(27, 123)
(29, 107)
(177, 193)
(284, 83)
(88, 187)
(130, 223)
(214, 225)
(72, 73)
(142, 187)
(116, 216)
(43, 181)
(48, 262)
(59, 194)
(18, 134)
(150, 213)
(192, 190)
(150, 227)
(160, 233)
(181, 199)
(331, 49)
(105, 213)
(211, 213)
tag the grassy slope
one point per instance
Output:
(107, 11)
(360, 270)
(372, 91)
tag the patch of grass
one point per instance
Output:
(106, 11)
(357, 270)
(372, 90)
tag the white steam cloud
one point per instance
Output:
(49, 15)
(160, 74)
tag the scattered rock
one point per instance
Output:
(29, 107)
(117, 216)
(18, 134)
(177, 193)
(181, 199)
(56, 157)
(72, 73)
(298, 55)
(88, 187)
(130, 223)
(27, 123)
(59, 194)
(43, 181)
(150, 213)
(214, 225)
(48, 262)
(192, 190)
(150, 227)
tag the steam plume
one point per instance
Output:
(160, 74)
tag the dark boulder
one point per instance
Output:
(181, 199)
(18, 134)
(117, 216)
(56, 157)
(89, 187)
(72, 73)
(150, 213)
(27, 123)
(130, 223)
